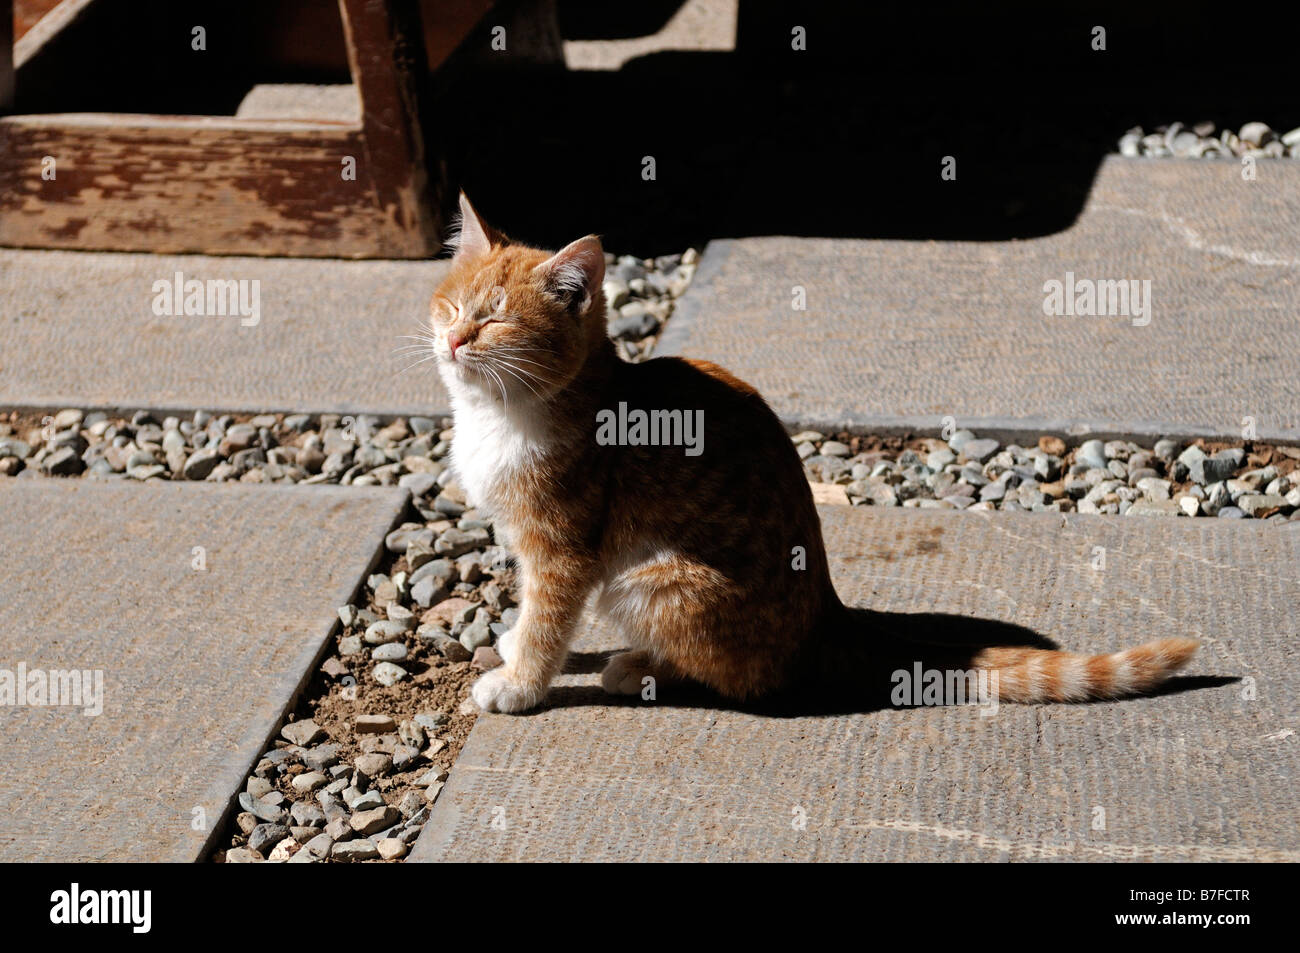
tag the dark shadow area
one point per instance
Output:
(138, 56)
(872, 647)
(602, 20)
(847, 137)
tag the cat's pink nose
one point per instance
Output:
(454, 341)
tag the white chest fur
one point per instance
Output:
(491, 446)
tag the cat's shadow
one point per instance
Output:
(933, 629)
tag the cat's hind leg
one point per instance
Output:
(635, 673)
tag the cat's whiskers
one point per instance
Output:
(531, 375)
(513, 357)
(501, 365)
(425, 344)
(513, 360)
(484, 369)
(417, 363)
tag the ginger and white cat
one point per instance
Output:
(690, 554)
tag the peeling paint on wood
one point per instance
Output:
(236, 186)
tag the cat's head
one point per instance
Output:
(513, 319)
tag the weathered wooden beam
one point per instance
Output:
(386, 57)
(192, 184)
(6, 55)
(230, 186)
(46, 29)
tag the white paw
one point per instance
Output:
(497, 691)
(506, 646)
(624, 674)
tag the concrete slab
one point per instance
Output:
(198, 667)
(1200, 774)
(80, 331)
(900, 334)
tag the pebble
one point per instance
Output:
(354, 850)
(1092, 453)
(303, 733)
(431, 720)
(486, 657)
(388, 674)
(428, 591)
(1205, 469)
(412, 803)
(284, 850)
(391, 652)
(334, 668)
(1254, 504)
(412, 733)
(478, 633)
(385, 631)
(374, 724)
(456, 542)
(1154, 508)
(314, 851)
(404, 756)
(978, 450)
(434, 775)
(305, 814)
(373, 821)
(308, 782)
(260, 809)
(419, 484)
(259, 787)
(373, 765)
(265, 836)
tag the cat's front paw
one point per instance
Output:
(498, 691)
(506, 645)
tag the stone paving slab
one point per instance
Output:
(899, 334)
(80, 331)
(1196, 774)
(198, 666)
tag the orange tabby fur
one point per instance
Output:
(692, 556)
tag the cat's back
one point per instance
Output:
(733, 450)
(728, 407)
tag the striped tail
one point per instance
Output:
(1040, 675)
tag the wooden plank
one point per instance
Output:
(63, 15)
(6, 55)
(202, 184)
(228, 186)
(386, 56)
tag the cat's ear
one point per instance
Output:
(473, 236)
(574, 273)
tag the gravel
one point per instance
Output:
(357, 788)
(1204, 141)
(640, 294)
(1117, 477)
(310, 448)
